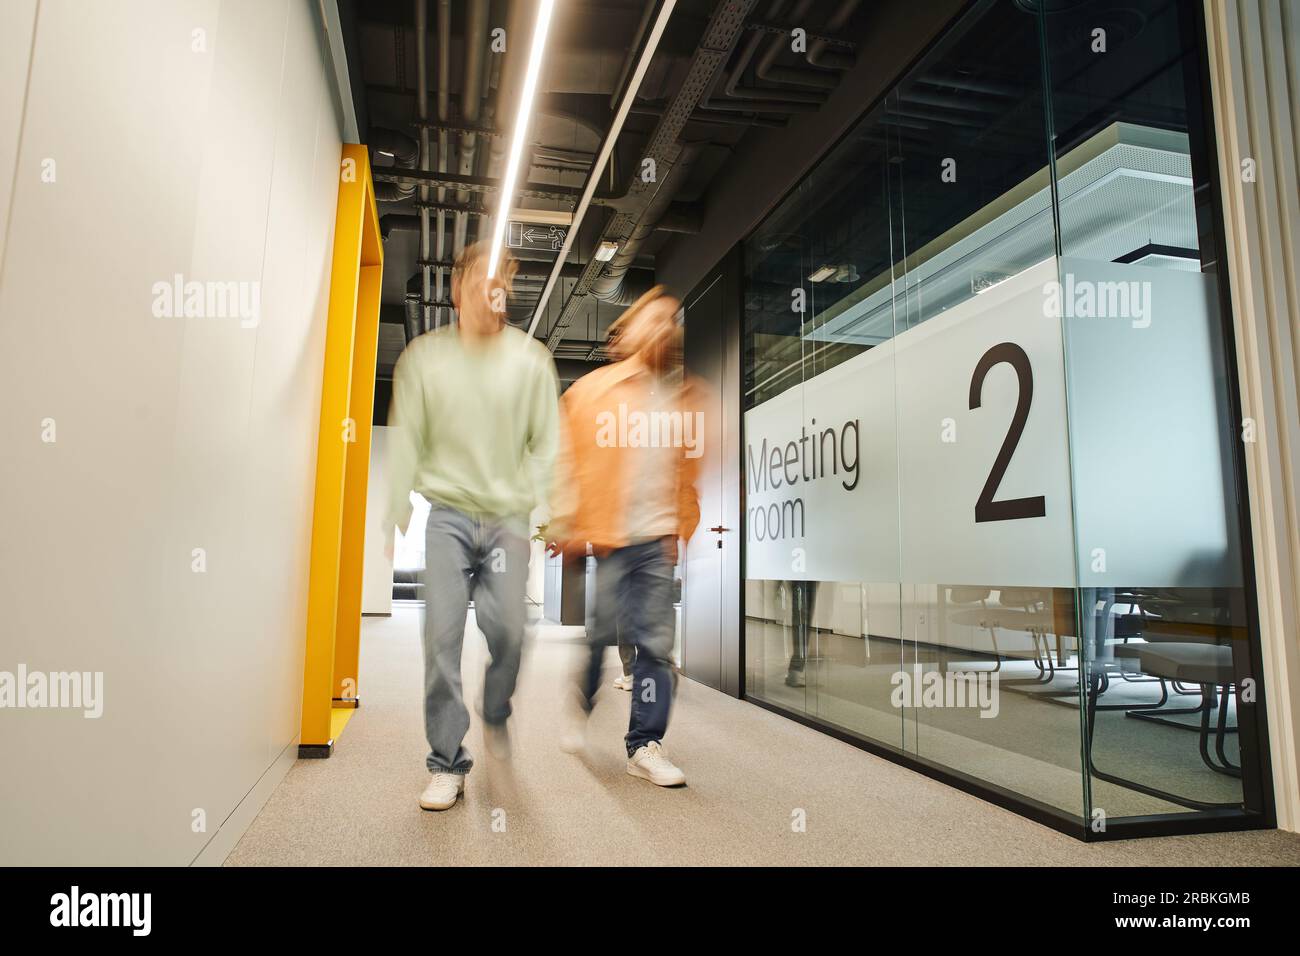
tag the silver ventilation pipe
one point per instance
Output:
(413, 324)
(444, 113)
(422, 111)
(471, 104)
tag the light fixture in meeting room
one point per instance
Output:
(545, 9)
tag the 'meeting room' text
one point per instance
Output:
(810, 457)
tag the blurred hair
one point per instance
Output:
(623, 321)
(478, 254)
(629, 317)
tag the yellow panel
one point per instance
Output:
(347, 640)
(331, 451)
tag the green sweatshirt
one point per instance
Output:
(474, 424)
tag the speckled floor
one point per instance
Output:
(750, 774)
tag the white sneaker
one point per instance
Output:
(442, 791)
(650, 763)
(623, 682)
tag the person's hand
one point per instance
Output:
(569, 551)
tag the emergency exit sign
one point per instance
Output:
(531, 235)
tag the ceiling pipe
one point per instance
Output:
(404, 153)
(407, 222)
(820, 52)
(476, 184)
(422, 112)
(540, 269)
(608, 287)
(629, 61)
(412, 322)
(766, 68)
(732, 88)
(714, 119)
(710, 118)
(444, 145)
(471, 106)
(970, 85)
(762, 106)
(749, 49)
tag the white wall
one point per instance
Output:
(377, 574)
(171, 433)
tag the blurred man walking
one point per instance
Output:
(474, 407)
(631, 447)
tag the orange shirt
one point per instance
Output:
(607, 419)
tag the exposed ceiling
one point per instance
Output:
(720, 69)
(877, 211)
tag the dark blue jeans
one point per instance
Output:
(634, 604)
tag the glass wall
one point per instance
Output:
(992, 495)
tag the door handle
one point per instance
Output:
(719, 529)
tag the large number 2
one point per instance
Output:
(986, 509)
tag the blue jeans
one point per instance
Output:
(634, 605)
(484, 558)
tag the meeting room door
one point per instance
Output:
(711, 651)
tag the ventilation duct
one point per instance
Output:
(412, 320)
(405, 154)
(608, 286)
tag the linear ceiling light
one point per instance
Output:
(521, 130)
(607, 147)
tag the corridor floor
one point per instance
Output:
(751, 776)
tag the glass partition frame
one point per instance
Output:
(918, 270)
